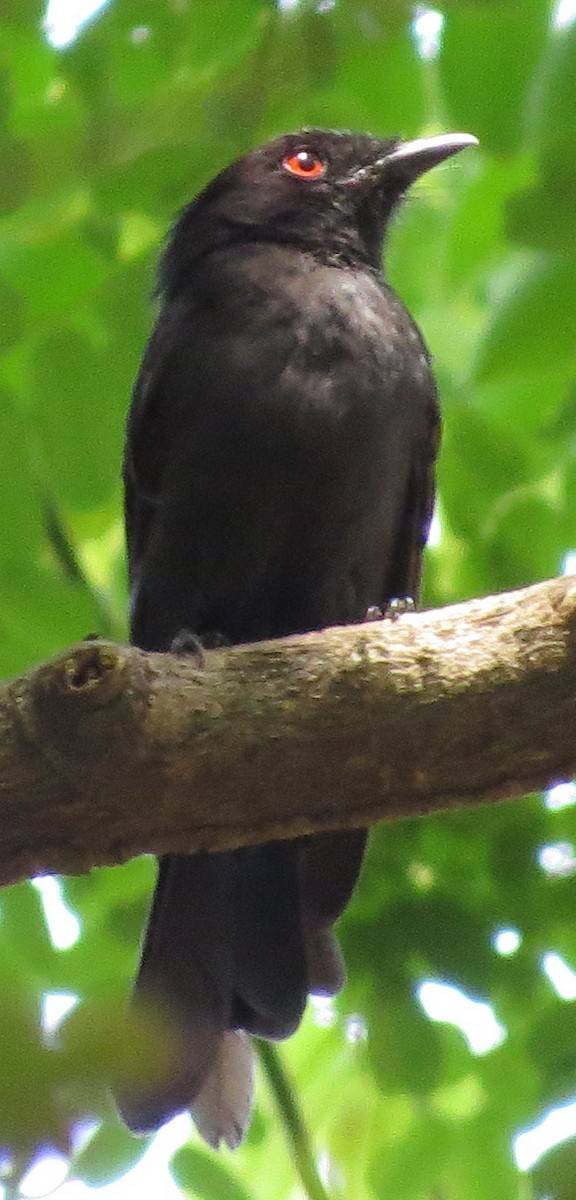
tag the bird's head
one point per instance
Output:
(329, 192)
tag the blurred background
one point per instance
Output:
(447, 1068)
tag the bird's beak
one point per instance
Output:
(409, 160)
(412, 159)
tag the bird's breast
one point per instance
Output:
(317, 378)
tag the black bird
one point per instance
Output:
(279, 478)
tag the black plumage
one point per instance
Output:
(279, 478)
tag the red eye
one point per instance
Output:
(305, 164)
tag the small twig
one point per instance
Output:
(67, 557)
(293, 1122)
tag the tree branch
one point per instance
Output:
(107, 752)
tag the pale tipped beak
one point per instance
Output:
(420, 155)
(409, 160)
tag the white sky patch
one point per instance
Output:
(569, 563)
(323, 1011)
(65, 18)
(557, 1126)
(55, 1005)
(557, 860)
(428, 25)
(63, 926)
(506, 942)
(356, 1029)
(448, 1004)
(561, 796)
(561, 976)
(564, 14)
(435, 532)
(46, 1174)
(148, 1180)
(330, 1174)
(140, 34)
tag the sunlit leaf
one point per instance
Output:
(205, 1176)
(493, 50)
(110, 1152)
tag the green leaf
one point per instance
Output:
(403, 1047)
(204, 1176)
(75, 388)
(52, 276)
(29, 1114)
(552, 1045)
(16, 174)
(27, 592)
(493, 54)
(25, 930)
(532, 319)
(481, 463)
(40, 103)
(543, 217)
(475, 235)
(551, 125)
(529, 520)
(110, 1152)
(374, 61)
(412, 1166)
(21, 514)
(554, 1174)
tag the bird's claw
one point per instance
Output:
(187, 642)
(394, 608)
(399, 606)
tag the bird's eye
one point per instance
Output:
(305, 165)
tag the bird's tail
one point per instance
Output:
(234, 943)
(222, 1108)
(328, 867)
(222, 953)
(185, 976)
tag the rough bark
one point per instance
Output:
(107, 752)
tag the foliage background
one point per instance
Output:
(100, 143)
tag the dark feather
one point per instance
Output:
(279, 478)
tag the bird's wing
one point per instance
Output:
(149, 431)
(405, 570)
(223, 946)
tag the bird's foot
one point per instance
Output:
(187, 642)
(395, 608)
(398, 606)
(216, 641)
